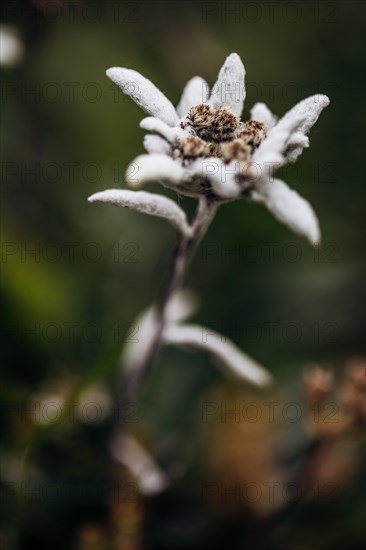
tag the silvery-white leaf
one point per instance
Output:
(148, 203)
(224, 351)
(182, 305)
(260, 112)
(150, 477)
(144, 93)
(153, 124)
(195, 92)
(140, 339)
(229, 89)
(156, 144)
(289, 208)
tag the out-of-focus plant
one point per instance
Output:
(273, 468)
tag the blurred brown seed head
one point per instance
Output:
(318, 384)
(352, 391)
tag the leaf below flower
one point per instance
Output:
(227, 354)
(148, 203)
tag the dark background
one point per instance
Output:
(76, 275)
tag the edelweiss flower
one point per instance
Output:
(202, 147)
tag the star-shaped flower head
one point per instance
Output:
(203, 148)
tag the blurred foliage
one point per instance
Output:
(76, 275)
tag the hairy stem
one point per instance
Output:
(183, 255)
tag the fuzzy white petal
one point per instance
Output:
(260, 112)
(155, 144)
(229, 89)
(154, 167)
(224, 351)
(144, 93)
(153, 124)
(289, 208)
(196, 91)
(148, 203)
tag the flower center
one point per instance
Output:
(219, 133)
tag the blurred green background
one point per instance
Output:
(76, 275)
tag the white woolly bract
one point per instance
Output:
(155, 144)
(148, 203)
(289, 208)
(154, 167)
(310, 109)
(195, 91)
(229, 89)
(144, 93)
(261, 112)
(272, 149)
(222, 176)
(155, 125)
